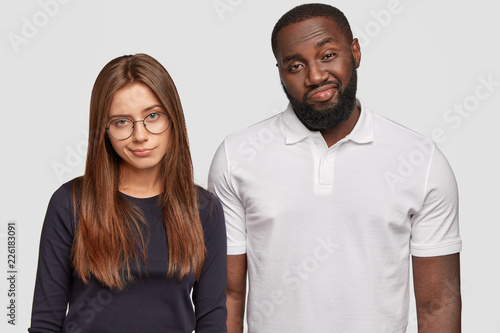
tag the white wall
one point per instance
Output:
(419, 64)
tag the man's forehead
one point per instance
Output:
(313, 30)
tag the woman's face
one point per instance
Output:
(143, 150)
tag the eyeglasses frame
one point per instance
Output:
(143, 122)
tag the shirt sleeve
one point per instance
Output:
(209, 292)
(220, 183)
(53, 277)
(435, 230)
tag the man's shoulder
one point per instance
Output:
(263, 128)
(393, 130)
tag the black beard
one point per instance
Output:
(317, 120)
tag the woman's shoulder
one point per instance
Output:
(206, 199)
(202, 193)
(65, 192)
(60, 210)
(209, 206)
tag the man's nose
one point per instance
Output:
(316, 75)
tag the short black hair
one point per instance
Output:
(307, 11)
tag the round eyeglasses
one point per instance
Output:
(123, 128)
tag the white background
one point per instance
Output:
(417, 63)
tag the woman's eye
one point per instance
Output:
(120, 122)
(153, 116)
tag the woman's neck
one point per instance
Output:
(140, 183)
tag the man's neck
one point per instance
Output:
(337, 133)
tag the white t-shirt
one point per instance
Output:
(328, 232)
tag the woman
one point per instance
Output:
(124, 245)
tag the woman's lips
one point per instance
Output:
(142, 152)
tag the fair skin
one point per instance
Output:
(309, 53)
(142, 152)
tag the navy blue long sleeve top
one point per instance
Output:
(151, 303)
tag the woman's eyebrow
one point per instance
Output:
(125, 115)
(152, 107)
(119, 116)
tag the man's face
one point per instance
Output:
(317, 66)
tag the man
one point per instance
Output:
(327, 214)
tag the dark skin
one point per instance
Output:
(309, 54)
(236, 292)
(437, 293)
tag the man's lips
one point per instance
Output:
(322, 94)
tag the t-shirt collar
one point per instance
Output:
(295, 131)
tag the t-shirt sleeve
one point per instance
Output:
(220, 182)
(209, 292)
(53, 277)
(435, 230)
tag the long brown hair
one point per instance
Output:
(108, 237)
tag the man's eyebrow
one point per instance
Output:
(292, 57)
(318, 45)
(325, 41)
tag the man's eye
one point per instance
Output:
(295, 67)
(330, 55)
